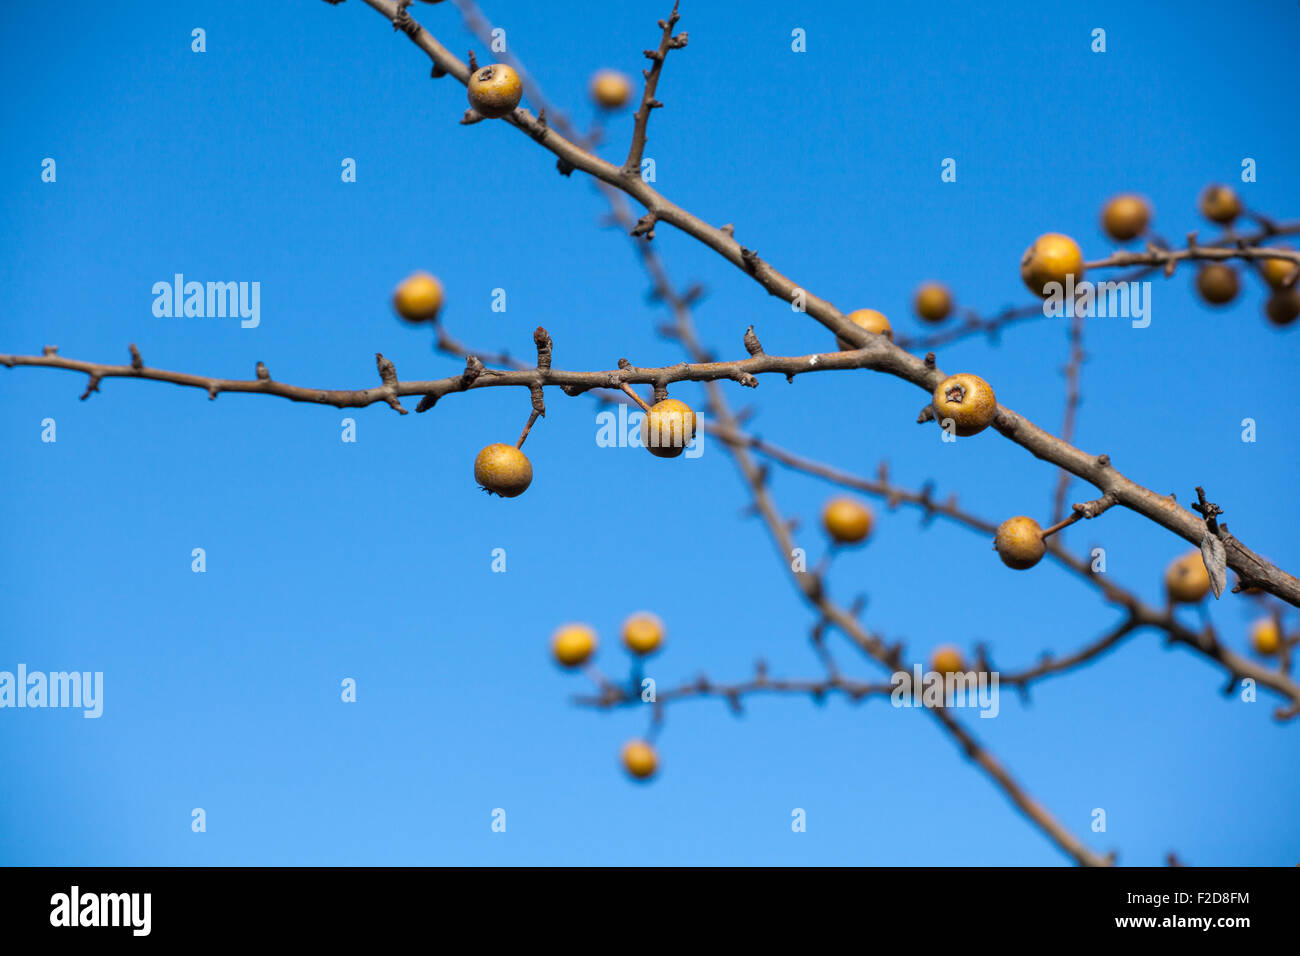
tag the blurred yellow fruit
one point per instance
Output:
(1283, 306)
(1186, 579)
(1220, 204)
(1217, 283)
(418, 298)
(1276, 271)
(868, 319)
(947, 660)
(643, 633)
(1125, 217)
(1051, 258)
(1265, 638)
(640, 759)
(933, 302)
(573, 644)
(610, 89)
(847, 521)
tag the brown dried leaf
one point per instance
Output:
(1215, 557)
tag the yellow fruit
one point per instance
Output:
(968, 401)
(868, 319)
(573, 644)
(418, 298)
(1051, 258)
(1019, 542)
(503, 470)
(933, 302)
(640, 759)
(1217, 283)
(947, 660)
(1186, 580)
(1265, 637)
(1276, 271)
(1220, 204)
(610, 89)
(643, 633)
(495, 90)
(847, 521)
(1283, 306)
(668, 428)
(1125, 217)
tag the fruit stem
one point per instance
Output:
(1064, 523)
(527, 428)
(635, 397)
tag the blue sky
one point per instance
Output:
(372, 560)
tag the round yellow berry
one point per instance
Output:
(418, 298)
(668, 428)
(847, 521)
(1283, 306)
(947, 660)
(495, 90)
(1276, 271)
(1125, 217)
(1217, 283)
(868, 319)
(933, 301)
(573, 644)
(1186, 580)
(1220, 204)
(640, 759)
(1265, 637)
(610, 89)
(503, 470)
(643, 633)
(1019, 542)
(1051, 258)
(967, 401)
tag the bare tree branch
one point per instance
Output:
(880, 353)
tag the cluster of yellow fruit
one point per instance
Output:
(1126, 217)
(572, 645)
(500, 469)
(495, 90)
(932, 302)
(667, 428)
(1187, 581)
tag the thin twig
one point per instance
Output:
(883, 355)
